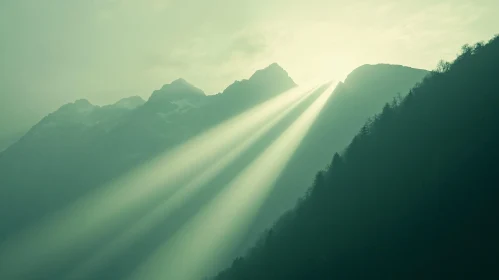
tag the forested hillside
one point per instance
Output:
(414, 196)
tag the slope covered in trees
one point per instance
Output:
(414, 196)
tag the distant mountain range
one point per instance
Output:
(81, 146)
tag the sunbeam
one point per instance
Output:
(60, 236)
(193, 250)
(174, 202)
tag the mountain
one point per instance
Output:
(179, 110)
(79, 119)
(241, 95)
(369, 74)
(44, 168)
(178, 89)
(179, 95)
(273, 78)
(129, 103)
(359, 98)
(79, 112)
(86, 146)
(414, 196)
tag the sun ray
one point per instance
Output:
(64, 234)
(165, 209)
(219, 224)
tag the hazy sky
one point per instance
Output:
(55, 51)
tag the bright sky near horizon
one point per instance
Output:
(55, 51)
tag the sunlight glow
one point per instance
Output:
(82, 224)
(193, 250)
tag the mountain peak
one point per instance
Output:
(131, 102)
(264, 83)
(82, 102)
(272, 72)
(73, 112)
(275, 66)
(176, 90)
(370, 73)
(180, 81)
(80, 105)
